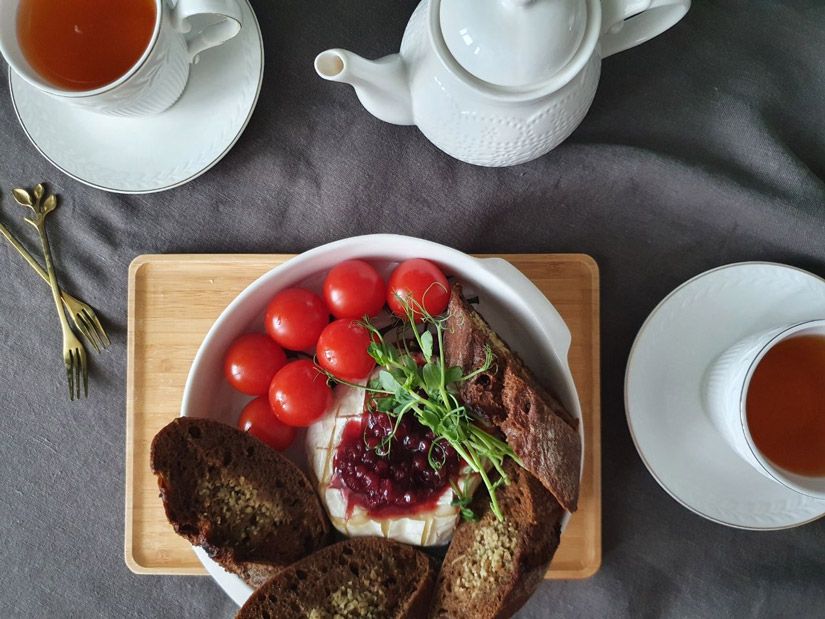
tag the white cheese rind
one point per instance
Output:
(433, 527)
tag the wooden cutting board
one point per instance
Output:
(173, 301)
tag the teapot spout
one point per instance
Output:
(381, 85)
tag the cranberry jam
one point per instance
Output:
(401, 481)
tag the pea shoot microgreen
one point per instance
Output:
(414, 378)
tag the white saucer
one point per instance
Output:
(663, 391)
(152, 153)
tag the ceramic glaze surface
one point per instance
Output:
(513, 42)
(725, 393)
(492, 97)
(143, 154)
(154, 87)
(159, 78)
(484, 130)
(666, 376)
(724, 384)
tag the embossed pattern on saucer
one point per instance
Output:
(663, 391)
(152, 153)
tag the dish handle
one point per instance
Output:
(551, 320)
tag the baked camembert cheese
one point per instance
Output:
(372, 486)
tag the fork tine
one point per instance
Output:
(78, 371)
(77, 368)
(70, 374)
(74, 373)
(92, 317)
(97, 329)
(84, 368)
(87, 330)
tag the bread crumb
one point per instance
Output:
(493, 548)
(353, 600)
(236, 502)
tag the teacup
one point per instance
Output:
(158, 78)
(726, 387)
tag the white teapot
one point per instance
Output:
(499, 82)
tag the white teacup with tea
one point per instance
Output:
(117, 57)
(766, 396)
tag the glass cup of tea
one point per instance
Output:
(766, 396)
(116, 57)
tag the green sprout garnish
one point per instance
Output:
(429, 391)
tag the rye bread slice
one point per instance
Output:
(249, 507)
(493, 567)
(365, 577)
(536, 425)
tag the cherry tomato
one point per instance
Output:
(299, 394)
(258, 419)
(342, 350)
(251, 362)
(295, 318)
(418, 282)
(354, 289)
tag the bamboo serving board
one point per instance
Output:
(173, 301)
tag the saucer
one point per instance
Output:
(152, 153)
(674, 435)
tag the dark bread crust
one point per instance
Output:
(536, 425)
(504, 561)
(249, 507)
(359, 577)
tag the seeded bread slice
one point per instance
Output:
(360, 578)
(536, 425)
(250, 508)
(493, 567)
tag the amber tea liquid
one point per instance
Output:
(84, 44)
(786, 405)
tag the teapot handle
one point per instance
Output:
(627, 23)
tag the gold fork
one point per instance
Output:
(83, 316)
(74, 355)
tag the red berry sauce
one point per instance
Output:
(401, 482)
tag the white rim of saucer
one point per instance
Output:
(644, 460)
(133, 192)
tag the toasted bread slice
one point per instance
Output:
(360, 578)
(536, 425)
(493, 567)
(250, 508)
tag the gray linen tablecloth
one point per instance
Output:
(703, 147)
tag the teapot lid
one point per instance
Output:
(513, 43)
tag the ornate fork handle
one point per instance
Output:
(74, 355)
(84, 317)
